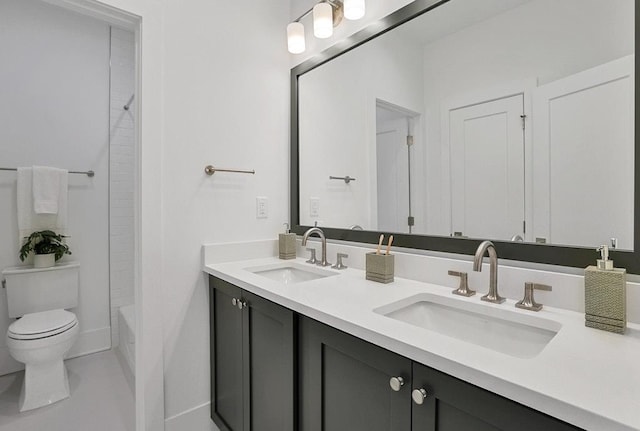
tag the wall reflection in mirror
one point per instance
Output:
(500, 119)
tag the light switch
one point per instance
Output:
(262, 207)
(314, 207)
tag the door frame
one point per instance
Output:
(149, 339)
(417, 175)
(413, 130)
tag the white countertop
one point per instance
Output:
(584, 376)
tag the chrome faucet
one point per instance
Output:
(323, 240)
(485, 246)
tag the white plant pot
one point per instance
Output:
(44, 260)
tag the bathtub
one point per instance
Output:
(127, 337)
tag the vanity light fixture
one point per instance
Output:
(323, 20)
(354, 9)
(327, 14)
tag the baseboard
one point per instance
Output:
(195, 419)
(92, 341)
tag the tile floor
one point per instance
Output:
(101, 399)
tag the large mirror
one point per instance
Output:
(510, 120)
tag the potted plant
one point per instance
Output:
(48, 247)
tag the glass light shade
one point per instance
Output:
(322, 20)
(354, 9)
(295, 38)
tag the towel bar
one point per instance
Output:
(87, 173)
(210, 170)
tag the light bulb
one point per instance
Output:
(354, 9)
(322, 20)
(295, 38)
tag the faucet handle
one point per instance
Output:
(463, 288)
(528, 302)
(339, 264)
(312, 260)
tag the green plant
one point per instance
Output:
(44, 242)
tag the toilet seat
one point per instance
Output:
(45, 324)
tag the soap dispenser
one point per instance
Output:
(287, 244)
(605, 295)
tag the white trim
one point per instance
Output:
(92, 341)
(196, 418)
(102, 12)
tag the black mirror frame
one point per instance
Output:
(579, 257)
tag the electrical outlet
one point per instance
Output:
(262, 207)
(314, 207)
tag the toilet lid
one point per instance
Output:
(43, 324)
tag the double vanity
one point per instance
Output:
(298, 346)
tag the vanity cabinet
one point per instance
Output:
(272, 369)
(344, 383)
(349, 384)
(252, 361)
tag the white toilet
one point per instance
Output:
(45, 331)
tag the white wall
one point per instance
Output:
(546, 40)
(338, 127)
(226, 90)
(226, 103)
(121, 174)
(54, 111)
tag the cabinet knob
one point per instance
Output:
(241, 304)
(419, 395)
(396, 383)
(234, 301)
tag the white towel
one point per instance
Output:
(28, 220)
(47, 184)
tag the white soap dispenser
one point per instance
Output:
(605, 295)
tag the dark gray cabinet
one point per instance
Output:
(252, 361)
(345, 383)
(273, 370)
(454, 405)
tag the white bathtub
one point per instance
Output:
(127, 336)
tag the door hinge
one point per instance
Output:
(409, 140)
(524, 226)
(524, 118)
(411, 221)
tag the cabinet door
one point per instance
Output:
(344, 383)
(226, 355)
(269, 371)
(454, 405)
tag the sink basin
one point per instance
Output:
(499, 329)
(290, 272)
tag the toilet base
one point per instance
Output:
(44, 384)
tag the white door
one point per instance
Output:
(583, 157)
(486, 144)
(392, 175)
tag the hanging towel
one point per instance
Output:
(28, 220)
(47, 184)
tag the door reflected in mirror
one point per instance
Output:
(500, 119)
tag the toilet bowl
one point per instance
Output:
(40, 341)
(45, 331)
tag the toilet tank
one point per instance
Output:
(31, 290)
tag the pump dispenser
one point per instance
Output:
(287, 244)
(605, 295)
(604, 263)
